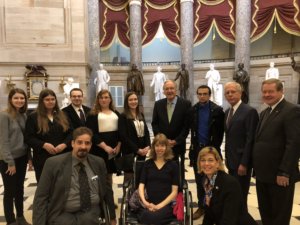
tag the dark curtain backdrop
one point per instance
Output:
(208, 14)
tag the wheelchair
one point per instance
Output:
(127, 216)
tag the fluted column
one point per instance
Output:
(94, 48)
(186, 41)
(242, 38)
(135, 33)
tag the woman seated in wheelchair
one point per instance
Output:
(159, 179)
(223, 194)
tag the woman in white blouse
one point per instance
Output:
(103, 121)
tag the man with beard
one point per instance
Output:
(73, 187)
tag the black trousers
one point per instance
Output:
(244, 182)
(275, 203)
(13, 189)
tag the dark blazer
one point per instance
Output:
(215, 124)
(73, 117)
(240, 136)
(178, 128)
(52, 191)
(277, 144)
(36, 140)
(226, 203)
(129, 138)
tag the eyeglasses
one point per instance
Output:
(230, 92)
(202, 94)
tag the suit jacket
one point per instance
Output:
(226, 203)
(73, 117)
(215, 124)
(178, 128)
(52, 191)
(240, 136)
(277, 144)
(131, 143)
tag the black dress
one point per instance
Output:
(158, 185)
(110, 138)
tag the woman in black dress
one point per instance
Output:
(47, 131)
(133, 130)
(103, 121)
(160, 180)
(223, 194)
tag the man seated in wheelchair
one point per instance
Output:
(158, 186)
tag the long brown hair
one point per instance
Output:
(11, 110)
(42, 117)
(127, 111)
(97, 107)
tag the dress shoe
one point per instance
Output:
(22, 221)
(199, 212)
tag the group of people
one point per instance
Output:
(268, 143)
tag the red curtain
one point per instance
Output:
(114, 20)
(208, 14)
(285, 12)
(167, 14)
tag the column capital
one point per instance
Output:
(182, 1)
(135, 2)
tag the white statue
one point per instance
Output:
(67, 88)
(213, 77)
(272, 72)
(158, 81)
(102, 79)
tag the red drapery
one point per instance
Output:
(208, 14)
(164, 12)
(285, 12)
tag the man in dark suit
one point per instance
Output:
(61, 198)
(207, 129)
(76, 111)
(170, 117)
(276, 155)
(240, 125)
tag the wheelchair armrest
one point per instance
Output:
(184, 185)
(127, 183)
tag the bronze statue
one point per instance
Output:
(135, 81)
(241, 76)
(183, 74)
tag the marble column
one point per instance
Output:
(94, 48)
(187, 41)
(242, 34)
(135, 33)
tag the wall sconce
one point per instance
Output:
(9, 83)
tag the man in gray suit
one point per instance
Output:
(61, 198)
(276, 154)
(240, 125)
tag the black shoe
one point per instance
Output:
(22, 221)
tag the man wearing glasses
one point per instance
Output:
(207, 129)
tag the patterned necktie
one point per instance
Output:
(84, 189)
(170, 110)
(82, 118)
(230, 115)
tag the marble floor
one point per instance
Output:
(30, 186)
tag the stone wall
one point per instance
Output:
(47, 32)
